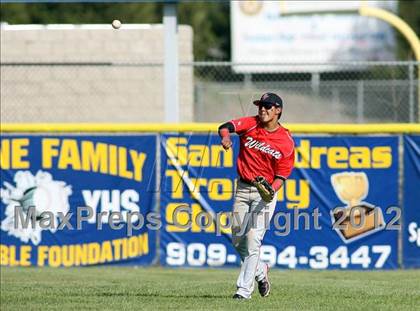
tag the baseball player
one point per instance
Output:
(266, 158)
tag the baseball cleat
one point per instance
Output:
(264, 285)
(237, 296)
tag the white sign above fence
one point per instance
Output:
(294, 33)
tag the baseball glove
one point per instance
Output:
(264, 188)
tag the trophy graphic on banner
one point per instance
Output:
(357, 219)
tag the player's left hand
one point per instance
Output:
(264, 188)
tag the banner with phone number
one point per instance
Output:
(338, 209)
(411, 230)
(71, 185)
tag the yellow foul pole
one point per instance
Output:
(404, 29)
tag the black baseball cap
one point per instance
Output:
(270, 98)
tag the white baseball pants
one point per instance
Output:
(251, 219)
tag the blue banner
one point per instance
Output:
(338, 209)
(411, 212)
(77, 200)
(197, 185)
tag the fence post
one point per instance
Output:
(171, 63)
(411, 92)
(315, 80)
(248, 80)
(400, 196)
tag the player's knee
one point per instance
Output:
(253, 241)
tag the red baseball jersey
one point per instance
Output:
(263, 153)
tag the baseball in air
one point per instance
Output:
(116, 24)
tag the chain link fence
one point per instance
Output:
(352, 92)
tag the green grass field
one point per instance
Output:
(128, 288)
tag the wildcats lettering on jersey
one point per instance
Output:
(261, 146)
(257, 144)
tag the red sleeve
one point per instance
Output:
(284, 166)
(243, 124)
